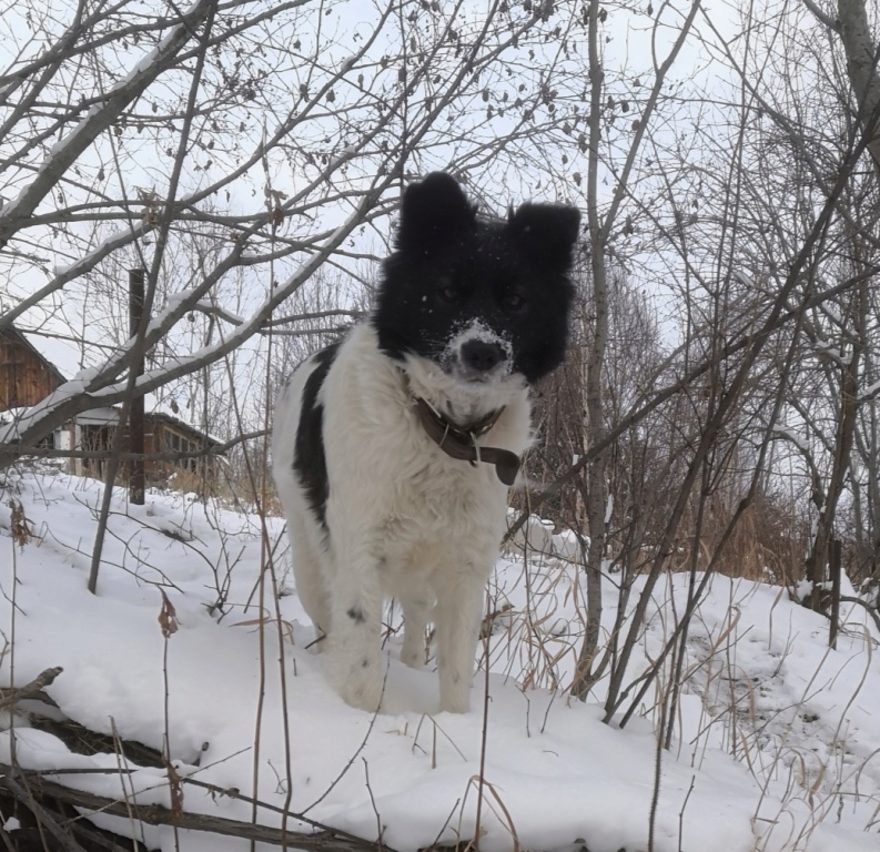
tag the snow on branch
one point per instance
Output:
(14, 215)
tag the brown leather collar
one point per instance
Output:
(460, 442)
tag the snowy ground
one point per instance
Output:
(775, 737)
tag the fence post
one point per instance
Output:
(136, 411)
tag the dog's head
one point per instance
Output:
(480, 305)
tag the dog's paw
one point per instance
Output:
(412, 653)
(362, 693)
(458, 703)
(455, 694)
(414, 658)
(357, 677)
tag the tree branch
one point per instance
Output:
(14, 215)
(326, 840)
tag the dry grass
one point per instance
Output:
(768, 544)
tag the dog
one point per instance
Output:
(392, 450)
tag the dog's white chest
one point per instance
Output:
(444, 505)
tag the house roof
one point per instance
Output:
(182, 424)
(52, 349)
(33, 343)
(108, 414)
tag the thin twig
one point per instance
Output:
(684, 805)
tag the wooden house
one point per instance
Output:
(27, 376)
(185, 448)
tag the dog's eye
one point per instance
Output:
(514, 301)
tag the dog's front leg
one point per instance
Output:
(457, 620)
(354, 654)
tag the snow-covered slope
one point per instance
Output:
(775, 734)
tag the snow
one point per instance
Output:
(775, 735)
(870, 391)
(830, 350)
(11, 824)
(791, 435)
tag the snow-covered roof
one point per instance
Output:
(102, 416)
(108, 414)
(182, 424)
(65, 358)
(168, 408)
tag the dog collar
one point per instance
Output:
(460, 442)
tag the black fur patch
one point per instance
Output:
(309, 461)
(356, 615)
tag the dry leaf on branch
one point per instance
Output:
(167, 617)
(19, 525)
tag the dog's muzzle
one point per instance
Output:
(477, 354)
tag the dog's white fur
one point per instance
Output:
(404, 519)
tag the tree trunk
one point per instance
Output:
(596, 488)
(817, 561)
(861, 65)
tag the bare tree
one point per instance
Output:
(264, 131)
(601, 226)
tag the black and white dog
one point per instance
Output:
(393, 449)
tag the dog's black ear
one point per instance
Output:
(546, 232)
(435, 212)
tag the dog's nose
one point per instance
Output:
(481, 356)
